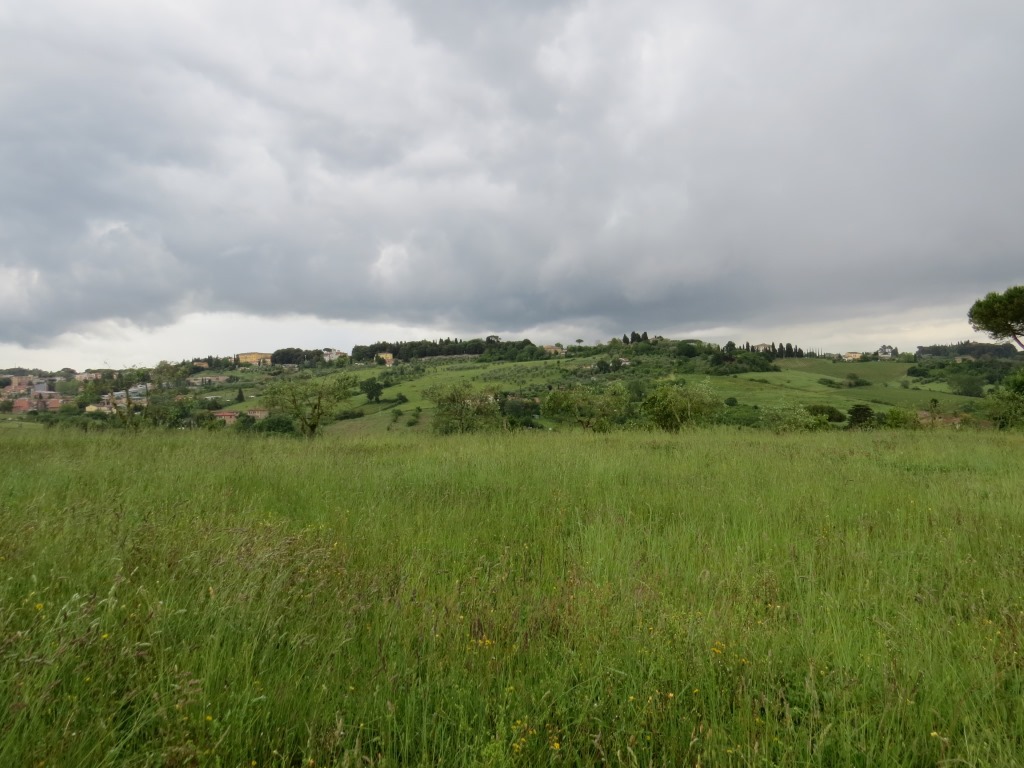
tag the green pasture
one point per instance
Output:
(797, 384)
(713, 598)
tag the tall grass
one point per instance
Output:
(715, 598)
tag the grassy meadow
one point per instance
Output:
(714, 598)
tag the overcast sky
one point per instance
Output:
(202, 177)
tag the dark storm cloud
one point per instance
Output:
(661, 165)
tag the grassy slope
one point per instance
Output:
(796, 384)
(718, 597)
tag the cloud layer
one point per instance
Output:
(592, 164)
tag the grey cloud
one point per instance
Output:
(652, 165)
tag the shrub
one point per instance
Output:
(860, 416)
(458, 409)
(967, 385)
(670, 407)
(830, 412)
(790, 418)
(900, 418)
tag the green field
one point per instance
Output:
(796, 384)
(719, 597)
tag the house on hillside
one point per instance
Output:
(198, 381)
(138, 395)
(39, 403)
(761, 348)
(852, 356)
(228, 417)
(253, 358)
(885, 352)
(18, 383)
(330, 355)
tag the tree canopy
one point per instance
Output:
(372, 388)
(458, 409)
(1006, 404)
(309, 400)
(1000, 315)
(672, 407)
(588, 408)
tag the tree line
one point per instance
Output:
(491, 348)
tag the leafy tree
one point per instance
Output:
(791, 418)
(722, 364)
(244, 423)
(901, 418)
(309, 401)
(1000, 315)
(686, 349)
(635, 390)
(519, 412)
(828, 412)
(671, 407)
(967, 385)
(458, 409)
(5, 381)
(6, 406)
(286, 356)
(240, 397)
(372, 388)
(978, 349)
(1006, 404)
(163, 409)
(588, 408)
(860, 416)
(169, 375)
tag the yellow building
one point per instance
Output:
(253, 358)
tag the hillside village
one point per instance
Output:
(39, 392)
(227, 391)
